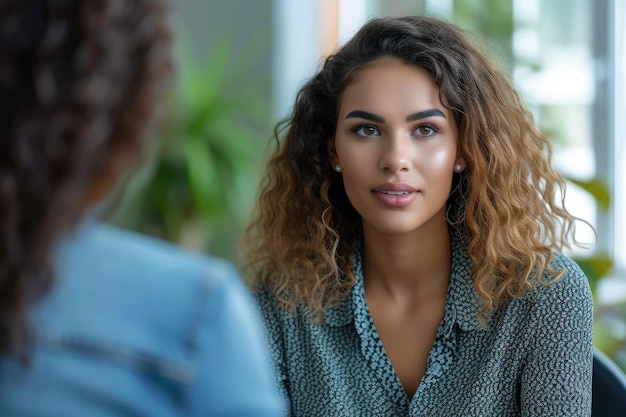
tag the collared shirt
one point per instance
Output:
(137, 327)
(532, 358)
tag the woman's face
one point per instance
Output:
(396, 144)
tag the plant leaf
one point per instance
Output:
(597, 188)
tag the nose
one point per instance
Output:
(395, 154)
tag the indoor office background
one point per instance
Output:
(242, 61)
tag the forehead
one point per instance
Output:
(390, 85)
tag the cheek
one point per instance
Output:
(353, 178)
(438, 171)
(356, 162)
(441, 162)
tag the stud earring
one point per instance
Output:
(457, 168)
(338, 168)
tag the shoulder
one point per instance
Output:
(274, 310)
(103, 249)
(571, 284)
(146, 269)
(567, 299)
(119, 286)
(280, 320)
(98, 241)
(265, 299)
(272, 314)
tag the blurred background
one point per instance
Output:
(241, 63)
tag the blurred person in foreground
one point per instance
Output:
(96, 321)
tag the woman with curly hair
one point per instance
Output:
(97, 321)
(406, 245)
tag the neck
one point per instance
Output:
(406, 268)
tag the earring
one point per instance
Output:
(338, 168)
(457, 168)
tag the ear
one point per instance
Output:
(332, 152)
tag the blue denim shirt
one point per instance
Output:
(138, 327)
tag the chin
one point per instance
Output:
(394, 229)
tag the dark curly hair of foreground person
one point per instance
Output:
(78, 83)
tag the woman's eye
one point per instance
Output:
(369, 131)
(425, 130)
(366, 131)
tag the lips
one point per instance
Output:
(395, 194)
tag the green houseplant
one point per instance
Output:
(198, 188)
(610, 319)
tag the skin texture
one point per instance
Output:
(392, 129)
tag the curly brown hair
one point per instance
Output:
(507, 204)
(78, 83)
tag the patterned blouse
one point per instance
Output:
(533, 358)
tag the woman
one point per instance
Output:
(96, 321)
(406, 244)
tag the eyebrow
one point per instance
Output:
(411, 117)
(424, 114)
(365, 115)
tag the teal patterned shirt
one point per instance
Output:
(533, 358)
